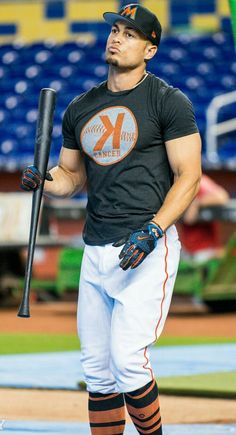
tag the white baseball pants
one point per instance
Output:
(121, 313)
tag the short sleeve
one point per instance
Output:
(68, 129)
(177, 115)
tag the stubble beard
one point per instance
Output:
(115, 62)
(111, 61)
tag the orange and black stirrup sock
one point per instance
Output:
(144, 409)
(106, 414)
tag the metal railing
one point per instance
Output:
(214, 128)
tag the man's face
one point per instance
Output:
(126, 47)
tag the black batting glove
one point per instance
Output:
(139, 244)
(31, 178)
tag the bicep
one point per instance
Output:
(71, 160)
(184, 155)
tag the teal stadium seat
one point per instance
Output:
(212, 282)
(219, 293)
(69, 266)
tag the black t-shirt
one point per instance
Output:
(121, 136)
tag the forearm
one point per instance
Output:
(65, 183)
(177, 200)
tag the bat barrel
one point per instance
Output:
(47, 100)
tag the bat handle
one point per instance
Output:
(24, 310)
(36, 203)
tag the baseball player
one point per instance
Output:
(134, 138)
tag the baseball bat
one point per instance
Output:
(46, 107)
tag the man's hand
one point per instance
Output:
(138, 245)
(31, 178)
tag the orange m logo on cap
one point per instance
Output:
(130, 11)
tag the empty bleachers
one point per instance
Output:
(202, 66)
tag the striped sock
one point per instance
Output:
(144, 409)
(106, 414)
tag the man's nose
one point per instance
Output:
(116, 38)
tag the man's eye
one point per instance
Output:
(113, 30)
(130, 35)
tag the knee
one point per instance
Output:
(124, 371)
(128, 370)
(119, 364)
(98, 377)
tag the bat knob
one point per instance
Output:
(24, 310)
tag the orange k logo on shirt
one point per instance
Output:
(110, 135)
(115, 131)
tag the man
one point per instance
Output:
(135, 140)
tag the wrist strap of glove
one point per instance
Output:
(157, 227)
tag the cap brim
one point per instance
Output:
(112, 17)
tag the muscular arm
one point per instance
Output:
(69, 175)
(184, 155)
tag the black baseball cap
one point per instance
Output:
(140, 18)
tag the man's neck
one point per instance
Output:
(124, 80)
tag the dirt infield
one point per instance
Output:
(185, 320)
(60, 317)
(72, 406)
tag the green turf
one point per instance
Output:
(208, 385)
(32, 343)
(182, 341)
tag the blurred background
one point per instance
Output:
(60, 44)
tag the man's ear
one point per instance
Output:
(150, 51)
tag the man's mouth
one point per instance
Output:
(113, 49)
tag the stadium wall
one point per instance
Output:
(60, 20)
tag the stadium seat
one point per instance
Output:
(219, 291)
(10, 57)
(32, 71)
(228, 81)
(4, 117)
(202, 66)
(205, 69)
(8, 146)
(69, 269)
